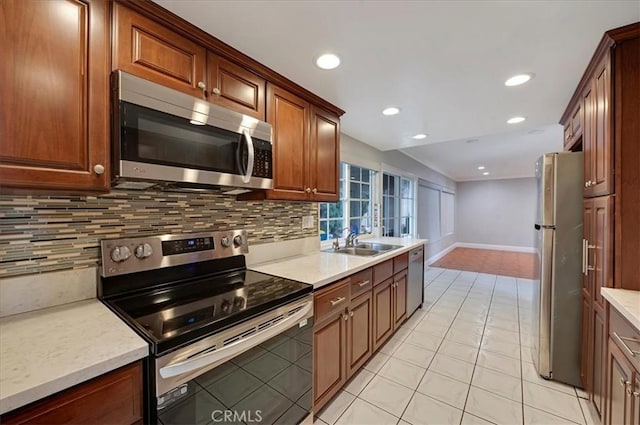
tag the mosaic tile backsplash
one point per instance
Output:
(46, 233)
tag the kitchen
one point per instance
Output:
(124, 209)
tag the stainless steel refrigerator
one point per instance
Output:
(557, 289)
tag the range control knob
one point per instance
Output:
(143, 251)
(225, 242)
(226, 306)
(120, 253)
(238, 240)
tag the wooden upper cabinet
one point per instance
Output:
(235, 87)
(54, 80)
(289, 116)
(573, 129)
(324, 156)
(152, 51)
(598, 140)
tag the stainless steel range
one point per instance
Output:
(228, 345)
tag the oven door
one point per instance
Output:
(256, 372)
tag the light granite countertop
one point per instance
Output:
(46, 351)
(626, 301)
(320, 268)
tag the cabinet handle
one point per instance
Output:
(636, 394)
(308, 190)
(345, 317)
(363, 283)
(351, 314)
(624, 382)
(315, 190)
(337, 301)
(216, 91)
(202, 86)
(624, 344)
(587, 183)
(98, 169)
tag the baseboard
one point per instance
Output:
(441, 254)
(511, 248)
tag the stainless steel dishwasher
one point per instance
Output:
(415, 291)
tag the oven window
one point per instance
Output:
(268, 384)
(155, 137)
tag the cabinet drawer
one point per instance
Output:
(334, 298)
(361, 282)
(382, 271)
(625, 336)
(400, 262)
(113, 398)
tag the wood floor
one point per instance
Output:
(505, 263)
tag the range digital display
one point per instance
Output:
(183, 246)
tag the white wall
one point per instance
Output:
(359, 153)
(496, 212)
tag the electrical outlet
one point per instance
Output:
(307, 221)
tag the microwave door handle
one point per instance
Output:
(235, 348)
(247, 138)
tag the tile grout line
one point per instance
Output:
(476, 362)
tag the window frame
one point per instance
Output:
(346, 200)
(398, 198)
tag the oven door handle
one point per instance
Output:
(235, 348)
(250, 157)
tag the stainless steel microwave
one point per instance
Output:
(165, 137)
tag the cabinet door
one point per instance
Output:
(289, 116)
(151, 51)
(400, 298)
(601, 243)
(576, 122)
(588, 140)
(324, 156)
(585, 343)
(619, 381)
(235, 87)
(568, 136)
(359, 335)
(329, 355)
(599, 367)
(588, 220)
(54, 80)
(383, 319)
(599, 147)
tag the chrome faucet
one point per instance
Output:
(336, 242)
(350, 239)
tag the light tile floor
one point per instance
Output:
(463, 359)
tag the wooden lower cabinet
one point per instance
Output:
(383, 320)
(399, 298)
(113, 398)
(359, 335)
(329, 354)
(585, 351)
(620, 375)
(598, 369)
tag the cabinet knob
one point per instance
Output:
(202, 86)
(216, 91)
(351, 314)
(308, 190)
(315, 190)
(98, 169)
(345, 317)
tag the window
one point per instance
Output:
(397, 205)
(354, 209)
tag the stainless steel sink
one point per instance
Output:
(363, 252)
(377, 246)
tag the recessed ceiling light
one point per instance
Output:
(515, 120)
(391, 111)
(481, 167)
(328, 61)
(516, 80)
(420, 136)
(486, 173)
